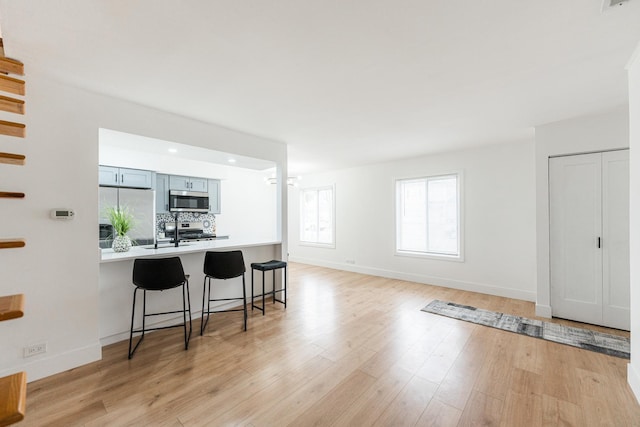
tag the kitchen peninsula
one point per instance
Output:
(116, 289)
(108, 255)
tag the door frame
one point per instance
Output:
(547, 147)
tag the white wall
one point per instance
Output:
(634, 140)
(58, 269)
(606, 131)
(248, 206)
(499, 221)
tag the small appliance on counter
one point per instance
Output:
(105, 235)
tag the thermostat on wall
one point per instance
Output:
(62, 213)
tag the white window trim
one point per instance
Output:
(333, 219)
(432, 255)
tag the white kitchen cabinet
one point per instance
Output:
(108, 176)
(199, 184)
(111, 176)
(179, 182)
(187, 183)
(214, 196)
(162, 193)
(135, 178)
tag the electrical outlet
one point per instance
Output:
(34, 349)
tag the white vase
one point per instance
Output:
(121, 243)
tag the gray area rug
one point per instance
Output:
(612, 345)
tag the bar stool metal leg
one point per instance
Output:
(133, 314)
(186, 306)
(244, 296)
(206, 295)
(263, 292)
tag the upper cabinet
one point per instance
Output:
(214, 196)
(122, 177)
(187, 183)
(162, 193)
(108, 175)
(134, 178)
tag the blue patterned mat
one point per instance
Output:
(600, 342)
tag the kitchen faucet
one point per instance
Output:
(175, 238)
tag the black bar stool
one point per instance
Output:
(222, 265)
(272, 265)
(159, 274)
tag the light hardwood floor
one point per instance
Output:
(350, 350)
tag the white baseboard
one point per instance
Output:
(46, 366)
(420, 278)
(633, 378)
(195, 318)
(124, 335)
(543, 311)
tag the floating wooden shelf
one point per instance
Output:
(13, 388)
(12, 129)
(11, 307)
(12, 159)
(13, 398)
(11, 243)
(11, 105)
(9, 84)
(11, 195)
(8, 65)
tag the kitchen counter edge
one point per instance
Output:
(108, 255)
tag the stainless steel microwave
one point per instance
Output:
(188, 201)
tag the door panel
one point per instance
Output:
(575, 225)
(615, 201)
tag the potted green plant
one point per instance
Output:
(122, 221)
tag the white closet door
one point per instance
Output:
(575, 226)
(615, 244)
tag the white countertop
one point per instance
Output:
(108, 255)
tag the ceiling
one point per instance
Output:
(113, 140)
(343, 83)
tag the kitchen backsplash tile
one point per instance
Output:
(208, 220)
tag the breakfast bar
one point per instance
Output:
(116, 289)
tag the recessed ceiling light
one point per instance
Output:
(611, 4)
(173, 150)
(232, 160)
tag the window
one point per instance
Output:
(316, 216)
(428, 216)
